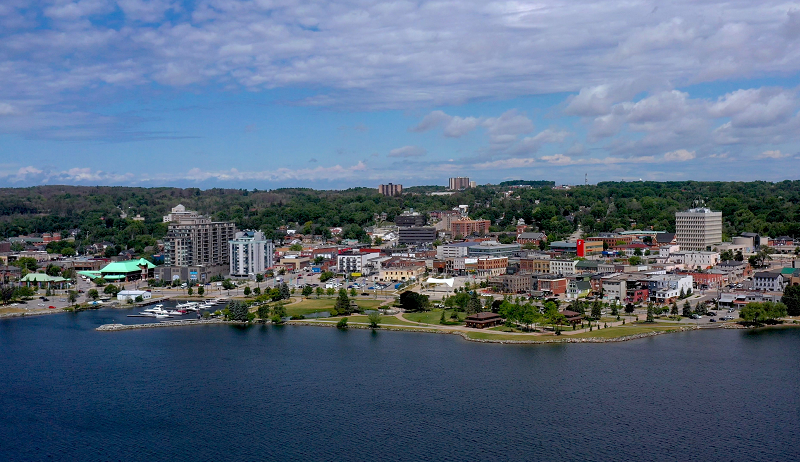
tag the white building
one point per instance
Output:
(356, 262)
(663, 287)
(125, 295)
(695, 259)
(768, 281)
(698, 229)
(250, 253)
(454, 250)
(563, 267)
(179, 212)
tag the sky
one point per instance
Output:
(336, 94)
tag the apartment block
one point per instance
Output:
(250, 253)
(194, 240)
(698, 229)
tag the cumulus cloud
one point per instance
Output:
(680, 155)
(772, 155)
(453, 126)
(408, 151)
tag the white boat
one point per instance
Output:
(157, 310)
(175, 312)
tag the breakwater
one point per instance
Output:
(118, 327)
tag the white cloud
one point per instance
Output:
(453, 126)
(772, 155)
(680, 155)
(408, 151)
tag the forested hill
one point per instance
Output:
(769, 208)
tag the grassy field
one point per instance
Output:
(432, 317)
(611, 332)
(313, 305)
(385, 320)
(628, 329)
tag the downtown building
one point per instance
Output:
(194, 240)
(250, 253)
(698, 229)
(390, 189)
(459, 183)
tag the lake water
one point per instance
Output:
(221, 392)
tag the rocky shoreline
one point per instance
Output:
(118, 327)
(464, 335)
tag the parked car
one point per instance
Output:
(712, 320)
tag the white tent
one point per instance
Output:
(449, 281)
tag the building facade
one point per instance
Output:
(417, 235)
(698, 229)
(390, 189)
(250, 253)
(197, 241)
(466, 228)
(456, 184)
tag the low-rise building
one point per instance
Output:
(531, 238)
(535, 265)
(770, 281)
(491, 266)
(493, 248)
(125, 295)
(695, 259)
(512, 283)
(665, 288)
(404, 273)
(465, 227)
(563, 267)
(552, 285)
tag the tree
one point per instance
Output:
(296, 247)
(138, 299)
(760, 313)
(637, 252)
(247, 291)
(412, 301)
(474, 303)
(53, 270)
(674, 309)
(791, 298)
(614, 310)
(635, 260)
(111, 289)
(629, 308)
(73, 297)
(285, 294)
(318, 260)
(374, 318)
(257, 291)
(238, 311)
(92, 293)
(597, 309)
(682, 295)
(307, 291)
(342, 324)
(6, 293)
(342, 303)
(201, 291)
(279, 310)
(650, 313)
(228, 284)
(330, 291)
(687, 308)
(28, 263)
(726, 255)
(259, 277)
(353, 292)
(190, 291)
(738, 256)
(263, 312)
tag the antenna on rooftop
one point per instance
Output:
(586, 179)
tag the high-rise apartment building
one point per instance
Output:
(459, 183)
(251, 253)
(390, 189)
(698, 229)
(194, 240)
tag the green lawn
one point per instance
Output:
(385, 320)
(431, 317)
(314, 305)
(628, 329)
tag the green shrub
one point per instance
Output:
(342, 324)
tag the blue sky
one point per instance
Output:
(270, 93)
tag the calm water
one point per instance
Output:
(68, 392)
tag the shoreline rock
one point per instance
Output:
(152, 325)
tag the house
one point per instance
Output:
(8, 273)
(578, 288)
(482, 320)
(770, 281)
